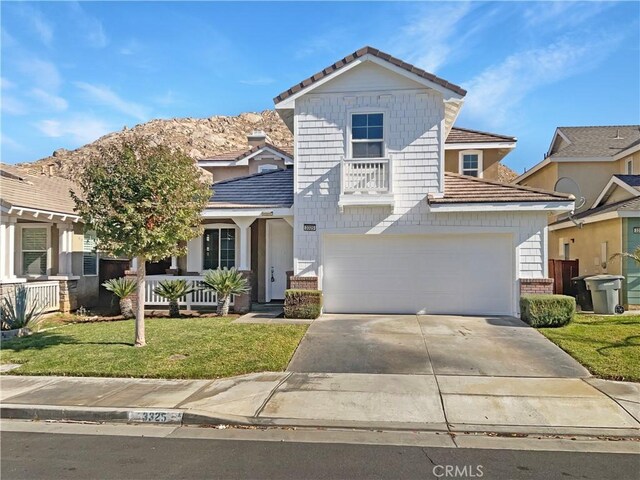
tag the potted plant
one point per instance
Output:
(122, 288)
(225, 282)
(19, 314)
(173, 290)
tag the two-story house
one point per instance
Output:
(368, 214)
(601, 164)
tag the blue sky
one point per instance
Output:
(72, 72)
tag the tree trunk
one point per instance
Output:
(223, 306)
(174, 309)
(126, 308)
(140, 337)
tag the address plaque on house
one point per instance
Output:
(309, 227)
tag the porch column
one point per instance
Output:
(65, 249)
(11, 248)
(174, 262)
(133, 264)
(244, 223)
(3, 249)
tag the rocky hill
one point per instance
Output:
(197, 137)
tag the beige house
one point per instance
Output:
(604, 164)
(43, 245)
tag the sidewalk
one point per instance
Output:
(393, 402)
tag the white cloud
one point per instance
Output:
(10, 142)
(496, 92)
(258, 81)
(559, 15)
(42, 74)
(105, 96)
(49, 100)
(12, 106)
(6, 84)
(80, 128)
(91, 27)
(431, 37)
(130, 48)
(33, 19)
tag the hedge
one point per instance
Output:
(302, 304)
(547, 310)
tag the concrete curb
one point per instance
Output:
(192, 418)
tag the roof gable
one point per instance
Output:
(619, 188)
(375, 55)
(594, 141)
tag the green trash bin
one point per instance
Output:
(604, 292)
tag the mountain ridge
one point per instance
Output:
(197, 137)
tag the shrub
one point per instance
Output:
(547, 310)
(174, 290)
(225, 282)
(122, 288)
(19, 311)
(302, 304)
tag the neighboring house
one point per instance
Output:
(604, 163)
(368, 214)
(43, 245)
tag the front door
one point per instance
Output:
(279, 257)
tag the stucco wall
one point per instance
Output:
(584, 245)
(544, 178)
(490, 159)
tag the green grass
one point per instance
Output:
(609, 346)
(214, 347)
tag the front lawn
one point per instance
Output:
(609, 346)
(176, 348)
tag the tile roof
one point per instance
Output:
(466, 135)
(273, 189)
(39, 192)
(465, 189)
(604, 141)
(361, 53)
(629, 204)
(239, 154)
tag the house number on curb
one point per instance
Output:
(309, 227)
(154, 417)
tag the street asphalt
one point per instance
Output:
(27, 455)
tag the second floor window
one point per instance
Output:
(471, 163)
(367, 135)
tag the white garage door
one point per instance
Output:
(433, 274)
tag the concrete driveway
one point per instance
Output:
(430, 344)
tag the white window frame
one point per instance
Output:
(385, 130)
(20, 262)
(220, 226)
(267, 167)
(629, 167)
(471, 152)
(95, 252)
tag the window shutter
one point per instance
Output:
(89, 254)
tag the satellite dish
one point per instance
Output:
(569, 186)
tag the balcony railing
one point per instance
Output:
(366, 181)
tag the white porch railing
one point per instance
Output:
(46, 294)
(366, 175)
(199, 298)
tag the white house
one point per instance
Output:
(366, 213)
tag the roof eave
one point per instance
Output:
(553, 207)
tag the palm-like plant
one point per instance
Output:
(635, 255)
(225, 282)
(20, 312)
(122, 288)
(174, 290)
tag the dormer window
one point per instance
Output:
(367, 135)
(471, 163)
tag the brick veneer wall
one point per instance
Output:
(530, 286)
(304, 283)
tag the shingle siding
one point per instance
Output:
(413, 142)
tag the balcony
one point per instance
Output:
(366, 181)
